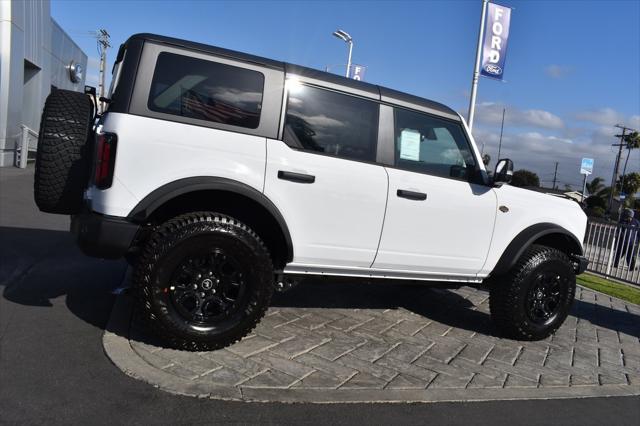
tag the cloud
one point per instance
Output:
(537, 139)
(602, 116)
(539, 152)
(491, 113)
(557, 71)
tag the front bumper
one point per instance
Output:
(580, 264)
(103, 236)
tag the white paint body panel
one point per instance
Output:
(336, 220)
(449, 233)
(152, 153)
(528, 208)
(338, 224)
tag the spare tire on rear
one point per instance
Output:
(63, 159)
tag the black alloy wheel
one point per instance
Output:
(544, 297)
(205, 289)
(204, 281)
(533, 299)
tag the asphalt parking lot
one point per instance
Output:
(56, 304)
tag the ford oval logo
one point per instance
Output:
(493, 69)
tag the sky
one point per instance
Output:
(572, 70)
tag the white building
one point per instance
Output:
(36, 55)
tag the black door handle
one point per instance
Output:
(411, 195)
(296, 177)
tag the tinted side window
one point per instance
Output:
(331, 123)
(205, 90)
(431, 145)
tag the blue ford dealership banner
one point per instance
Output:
(496, 35)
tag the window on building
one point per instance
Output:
(206, 90)
(331, 123)
(431, 145)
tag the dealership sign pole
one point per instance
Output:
(492, 48)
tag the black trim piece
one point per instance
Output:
(581, 263)
(121, 98)
(411, 195)
(385, 150)
(524, 239)
(296, 177)
(143, 210)
(102, 236)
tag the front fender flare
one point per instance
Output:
(526, 238)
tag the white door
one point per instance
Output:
(324, 180)
(437, 222)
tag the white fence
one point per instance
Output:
(612, 250)
(28, 142)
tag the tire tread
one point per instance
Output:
(62, 158)
(161, 240)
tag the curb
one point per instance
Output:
(118, 349)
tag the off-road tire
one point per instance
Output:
(508, 293)
(63, 157)
(198, 232)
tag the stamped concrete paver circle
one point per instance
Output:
(334, 342)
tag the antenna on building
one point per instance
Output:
(102, 36)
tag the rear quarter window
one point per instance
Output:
(206, 90)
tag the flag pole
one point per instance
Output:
(476, 70)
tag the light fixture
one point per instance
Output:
(344, 36)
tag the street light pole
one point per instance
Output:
(344, 36)
(349, 60)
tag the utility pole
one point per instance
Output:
(617, 165)
(624, 169)
(103, 44)
(555, 175)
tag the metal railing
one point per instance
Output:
(612, 250)
(28, 142)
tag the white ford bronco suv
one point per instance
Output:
(220, 176)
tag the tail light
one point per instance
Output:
(106, 159)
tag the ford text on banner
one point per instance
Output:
(357, 72)
(496, 36)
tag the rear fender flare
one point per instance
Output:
(145, 208)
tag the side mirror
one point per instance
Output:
(504, 171)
